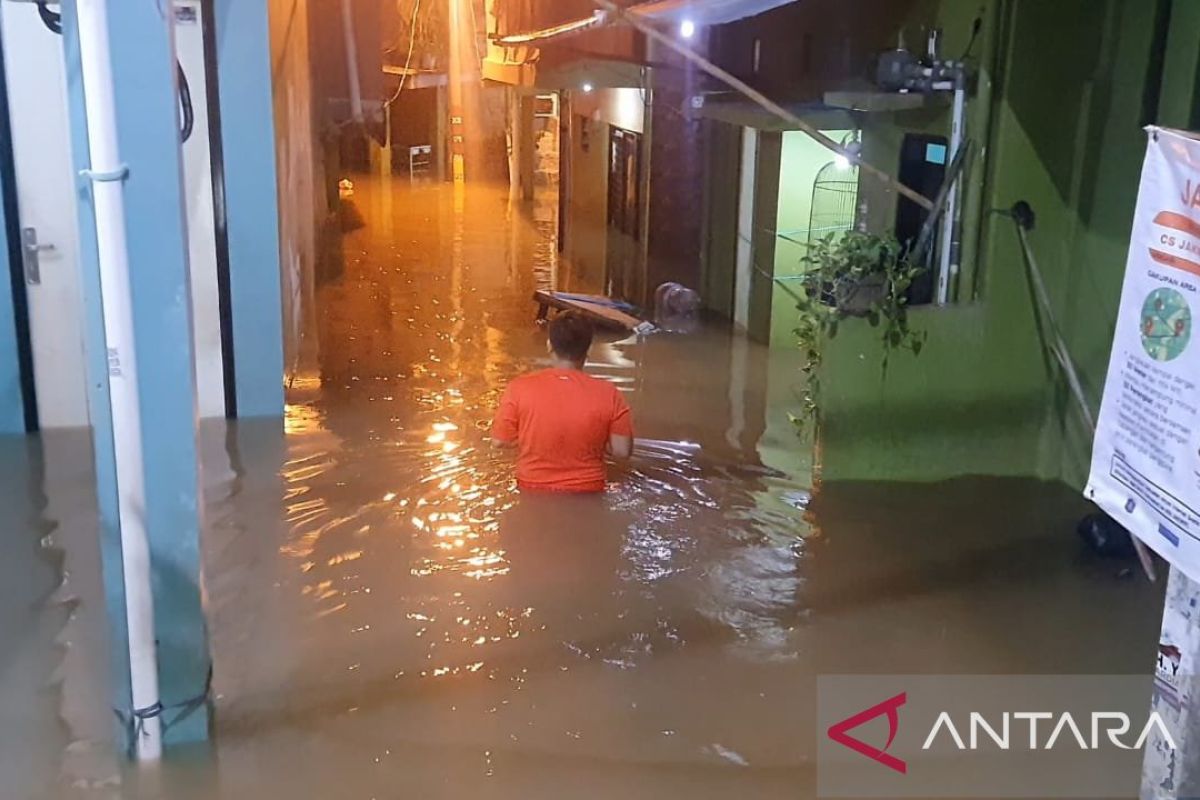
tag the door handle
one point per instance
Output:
(33, 254)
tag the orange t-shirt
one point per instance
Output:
(561, 420)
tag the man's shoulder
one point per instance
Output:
(540, 377)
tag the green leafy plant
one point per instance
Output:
(853, 274)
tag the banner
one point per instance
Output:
(1146, 458)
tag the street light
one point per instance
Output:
(687, 29)
(587, 88)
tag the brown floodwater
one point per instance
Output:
(390, 618)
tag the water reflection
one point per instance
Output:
(390, 617)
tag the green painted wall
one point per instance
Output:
(1064, 90)
(801, 158)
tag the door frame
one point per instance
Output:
(208, 22)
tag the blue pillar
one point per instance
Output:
(251, 203)
(143, 64)
(96, 353)
(12, 405)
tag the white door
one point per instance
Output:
(37, 97)
(45, 188)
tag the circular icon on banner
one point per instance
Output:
(1166, 325)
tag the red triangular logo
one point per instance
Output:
(838, 732)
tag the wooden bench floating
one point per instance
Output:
(598, 308)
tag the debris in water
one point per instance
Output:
(726, 754)
(798, 499)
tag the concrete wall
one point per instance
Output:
(1073, 83)
(586, 245)
(719, 209)
(301, 180)
(806, 48)
(676, 192)
(624, 108)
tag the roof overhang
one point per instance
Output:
(732, 108)
(707, 12)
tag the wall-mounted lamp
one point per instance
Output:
(687, 29)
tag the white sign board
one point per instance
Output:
(1146, 457)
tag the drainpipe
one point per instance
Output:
(951, 232)
(356, 103)
(107, 174)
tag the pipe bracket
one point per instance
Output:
(111, 176)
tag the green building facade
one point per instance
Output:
(1064, 89)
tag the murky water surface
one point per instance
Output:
(390, 618)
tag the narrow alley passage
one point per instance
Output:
(390, 618)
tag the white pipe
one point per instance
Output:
(948, 264)
(109, 200)
(356, 103)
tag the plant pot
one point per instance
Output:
(853, 299)
(856, 299)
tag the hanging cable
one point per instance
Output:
(1024, 219)
(187, 114)
(412, 41)
(51, 19)
(976, 27)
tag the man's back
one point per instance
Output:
(562, 420)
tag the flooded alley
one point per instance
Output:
(274, 266)
(391, 618)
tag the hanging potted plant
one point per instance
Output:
(853, 274)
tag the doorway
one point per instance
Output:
(624, 214)
(45, 262)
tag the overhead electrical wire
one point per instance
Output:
(187, 113)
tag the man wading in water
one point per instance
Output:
(563, 421)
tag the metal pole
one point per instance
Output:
(949, 257)
(107, 174)
(1058, 348)
(455, 78)
(356, 103)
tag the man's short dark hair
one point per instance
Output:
(571, 336)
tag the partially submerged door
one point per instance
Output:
(37, 106)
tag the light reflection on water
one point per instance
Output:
(410, 561)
